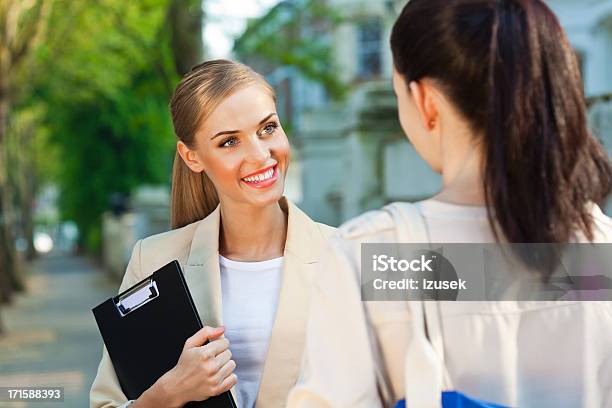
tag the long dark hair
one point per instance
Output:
(508, 68)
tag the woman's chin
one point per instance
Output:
(263, 198)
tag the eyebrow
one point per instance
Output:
(232, 132)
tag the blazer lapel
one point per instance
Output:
(287, 340)
(202, 270)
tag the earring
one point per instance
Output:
(432, 124)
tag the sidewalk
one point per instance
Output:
(52, 336)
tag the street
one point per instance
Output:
(52, 338)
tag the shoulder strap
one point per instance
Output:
(426, 349)
(409, 223)
(403, 214)
(410, 226)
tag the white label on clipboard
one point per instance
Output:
(138, 298)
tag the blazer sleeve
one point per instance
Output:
(105, 390)
(338, 369)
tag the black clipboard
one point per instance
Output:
(145, 328)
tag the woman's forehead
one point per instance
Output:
(242, 110)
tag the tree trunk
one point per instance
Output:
(26, 184)
(7, 266)
(186, 30)
(2, 327)
(7, 242)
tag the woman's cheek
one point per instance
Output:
(282, 150)
(223, 171)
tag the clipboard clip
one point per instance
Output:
(137, 297)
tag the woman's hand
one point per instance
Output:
(203, 370)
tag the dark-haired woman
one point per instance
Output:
(489, 94)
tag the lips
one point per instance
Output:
(263, 178)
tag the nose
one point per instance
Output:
(259, 152)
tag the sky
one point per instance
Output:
(226, 19)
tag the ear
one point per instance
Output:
(190, 157)
(424, 97)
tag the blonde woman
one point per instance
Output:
(248, 254)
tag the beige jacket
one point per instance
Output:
(519, 354)
(195, 246)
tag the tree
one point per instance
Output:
(22, 26)
(107, 84)
(89, 81)
(186, 17)
(296, 34)
(108, 93)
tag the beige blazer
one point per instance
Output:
(195, 246)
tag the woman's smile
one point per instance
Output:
(263, 178)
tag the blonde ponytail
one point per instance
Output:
(194, 196)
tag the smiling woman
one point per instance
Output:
(249, 256)
(230, 133)
(250, 157)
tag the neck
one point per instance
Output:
(250, 233)
(462, 172)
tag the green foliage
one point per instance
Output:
(113, 146)
(105, 76)
(295, 33)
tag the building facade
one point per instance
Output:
(352, 156)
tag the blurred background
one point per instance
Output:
(86, 142)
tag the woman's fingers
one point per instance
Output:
(203, 335)
(205, 367)
(223, 357)
(226, 384)
(226, 370)
(212, 349)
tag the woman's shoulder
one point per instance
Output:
(370, 226)
(325, 230)
(299, 220)
(159, 249)
(173, 237)
(602, 225)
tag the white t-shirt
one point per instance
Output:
(250, 293)
(448, 222)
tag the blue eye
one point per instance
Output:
(270, 128)
(231, 142)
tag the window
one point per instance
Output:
(369, 49)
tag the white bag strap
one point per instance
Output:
(411, 227)
(409, 223)
(425, 371)
(435, 336)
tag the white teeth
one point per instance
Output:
(260, 177)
